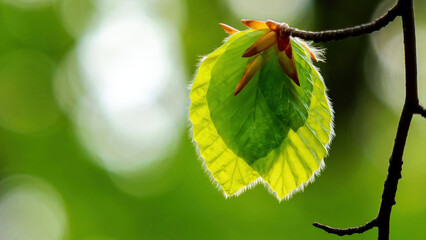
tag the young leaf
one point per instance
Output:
(277, 127)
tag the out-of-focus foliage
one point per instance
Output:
(92, 125)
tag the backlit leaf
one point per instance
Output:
(274, 131)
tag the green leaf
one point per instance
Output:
(273, 131)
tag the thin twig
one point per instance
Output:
(421, 111)
(347, 231)
(339, 34)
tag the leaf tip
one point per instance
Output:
(252, 68)
(228, 29)
(254, 24)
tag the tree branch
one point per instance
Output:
(403, 8)
(339, 34)
(410, 106)
(347, 231)
(421, 111)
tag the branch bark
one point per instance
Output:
(403, 8)
(339, 34)
(421, 111)
(347, 231)
(409, 109)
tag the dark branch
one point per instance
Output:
(394, 174)
(421, 111)
(338, 34)
(404, 8)
(347, 231)
(410, 105)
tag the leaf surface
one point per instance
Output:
(273, 131)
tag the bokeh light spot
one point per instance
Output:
(128, 105)
(386, 77)
(31, 209)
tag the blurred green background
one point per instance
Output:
(94, 138)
